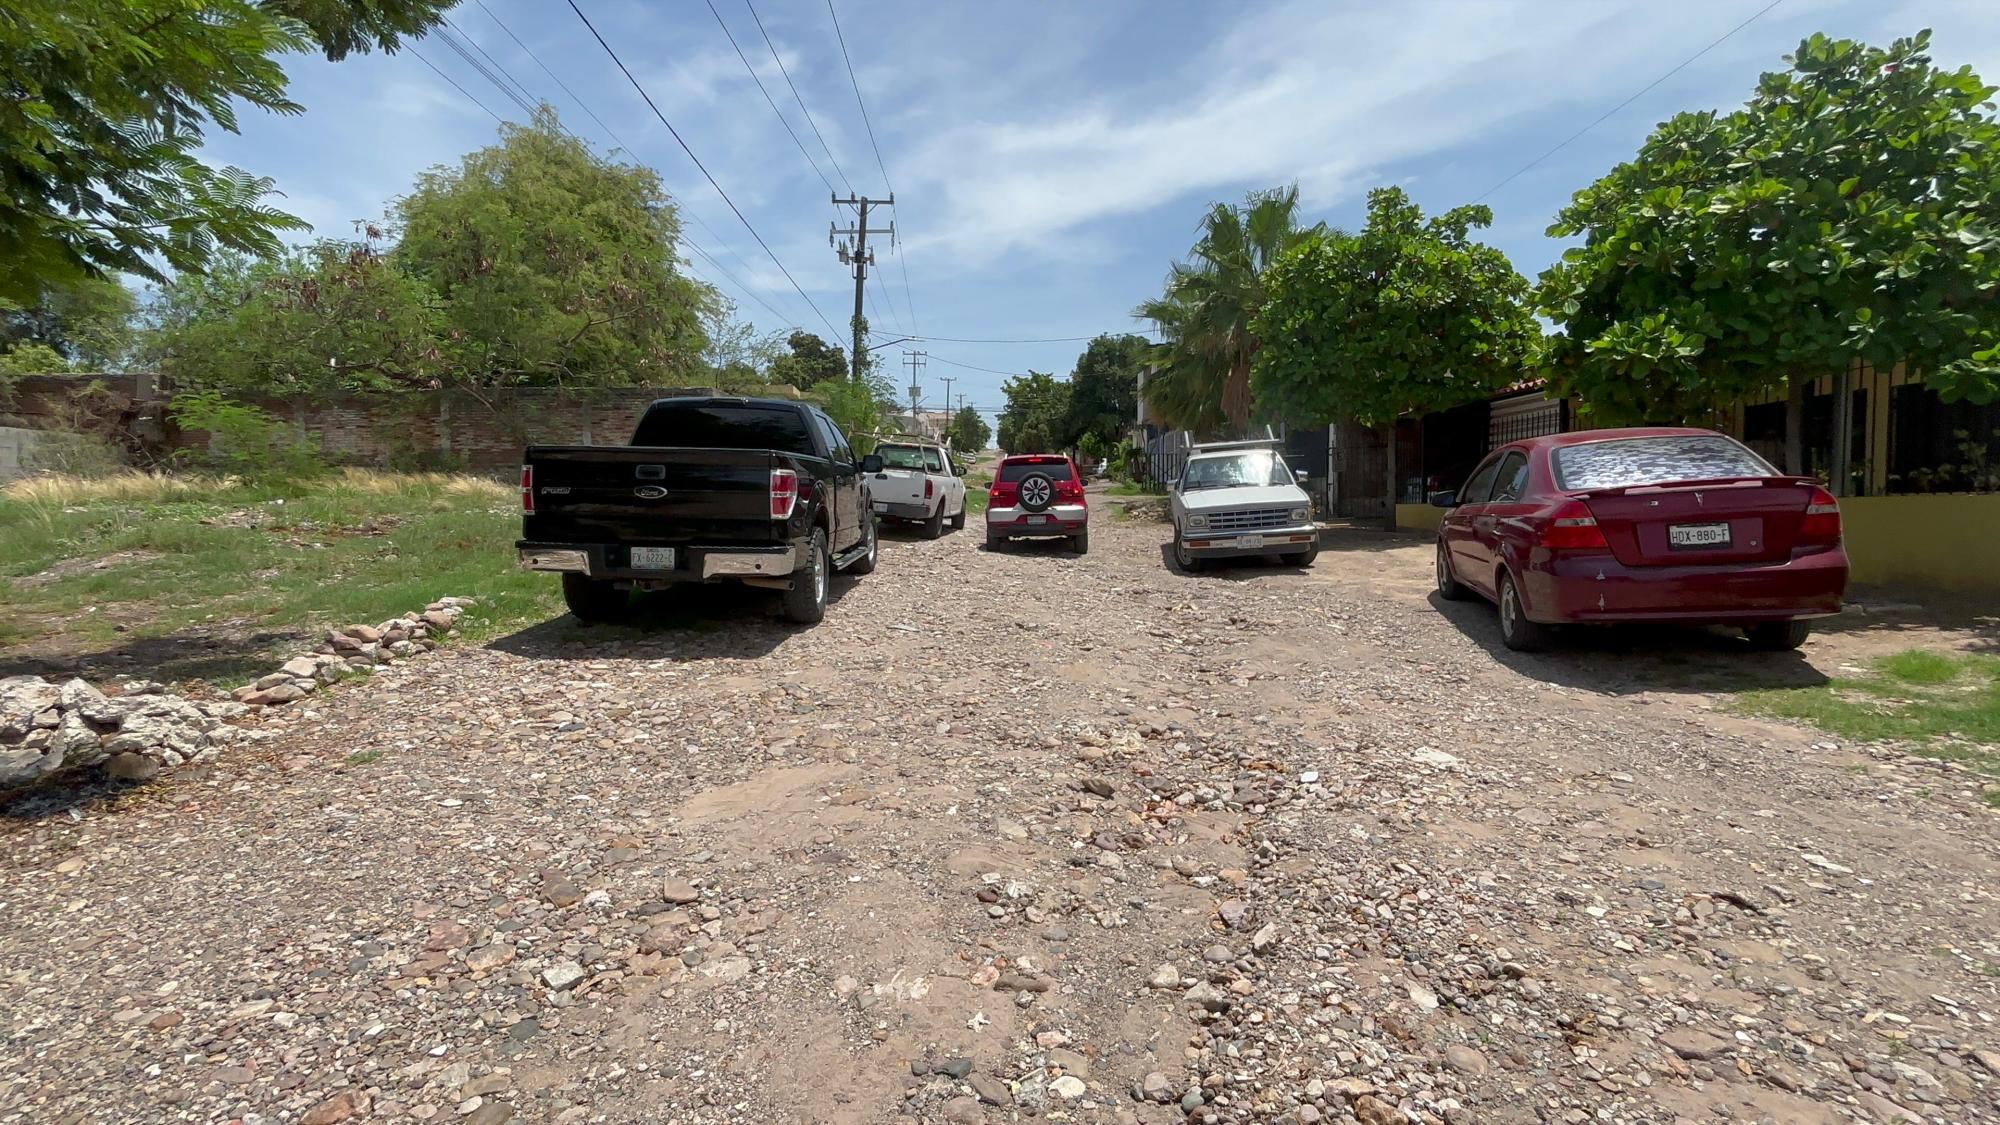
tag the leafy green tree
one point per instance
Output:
(1033, 419)
(1410, 314)
(861, 409)
(554, 265)
(1104, 389)
(969, 432)
(103, 108)
(809, 362)
(1201, 376)
(1850, 210)
(87, 322)
(333, 316)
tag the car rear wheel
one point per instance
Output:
(1080, 542)
(1778, 636)
(958, 521)
(994, 540)
(1516, 631)
(1448, 585)
(934, 525)
(594, 600)
(805, 602)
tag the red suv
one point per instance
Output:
(1659, 524)
(1037, 496)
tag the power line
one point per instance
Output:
(901, 260)
(1684, 64)
(497, 65)
(454, 84)
(445, 36)
(828, 149)
(767, 97)
(698, 164)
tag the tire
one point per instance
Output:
(866, 563)
(994, 540)
(1038, 492)
(958, 521)
(1448, 586)
(1778, 636)
(594, 601)
(805, 602)
(1189, 564)
(1080, 542)
(934, 523)
(1301, 558)
(1516, 631)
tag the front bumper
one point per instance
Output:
(692, 563)
(1265, 541)
(1598, 589)
(1059, 519)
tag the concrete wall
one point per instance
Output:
(14, 446)
(1418, 517)
(1949, 541)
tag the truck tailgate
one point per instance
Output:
(651, 494)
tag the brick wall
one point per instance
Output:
(478, 431)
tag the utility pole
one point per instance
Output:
(915, 362)
(851, 243)
(947, 380)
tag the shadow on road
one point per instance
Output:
(723, 621)
(208, 656)
(1630, 659)
(1236, 570)
(1371, 539)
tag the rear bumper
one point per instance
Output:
(1599, 589)
(692, 563)
(903, 509)
(1274, 541)
(1060, 519)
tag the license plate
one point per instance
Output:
(1035, 521)
(881, 507)
(1249, 542)
(652, 558)
(1698, 535)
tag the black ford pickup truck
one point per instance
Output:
(761, 491)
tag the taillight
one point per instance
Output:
(528, 489)
(784, 493)
(928, 486)
(1069, 492)
(1822, 521)
(1573, 528)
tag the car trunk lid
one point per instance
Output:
(1683, 523)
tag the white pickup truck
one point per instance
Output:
(918, 482)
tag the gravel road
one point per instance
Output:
(1019, 835)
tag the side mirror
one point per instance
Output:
(871, 463)
(1444, 499)
(1174, 484)
(1300, 475)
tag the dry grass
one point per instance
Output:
(130, 486)
(375, 483)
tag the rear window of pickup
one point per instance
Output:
(726, 426)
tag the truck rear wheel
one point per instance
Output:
(594, 600)
(934, 523)
(805, 602)
(958, 521)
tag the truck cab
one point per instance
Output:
(918, 482)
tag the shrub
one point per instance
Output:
(247, 441)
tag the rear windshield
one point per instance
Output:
(697, 425)
(1013, 472)
(1626, 462)
(901, 456)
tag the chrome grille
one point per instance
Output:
(1249, 519)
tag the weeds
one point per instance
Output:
(1941, 705)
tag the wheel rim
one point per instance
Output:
(1035, 493)
(873, 542)
(1443, 575)
(819, 576)
(1510, 610)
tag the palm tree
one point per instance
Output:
(1200, 375)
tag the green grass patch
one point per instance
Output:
(102, 569)
(1941, 705)
(1136, 488)
(364, 757)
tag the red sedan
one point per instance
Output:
(1642, 525)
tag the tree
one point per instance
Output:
(87, 323)
(330, 317)
(1850, 210)
(1104, 389)
(1201, 375)
(969, 432)
(810, 362)
(1410, 314)
(555, 266)
(1033, 419)
(105, 107)
(861, 409)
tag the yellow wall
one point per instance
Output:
(1418, 517)
(1949, 541)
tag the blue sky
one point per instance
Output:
(1050, 159)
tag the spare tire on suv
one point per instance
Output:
(1038, 492)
